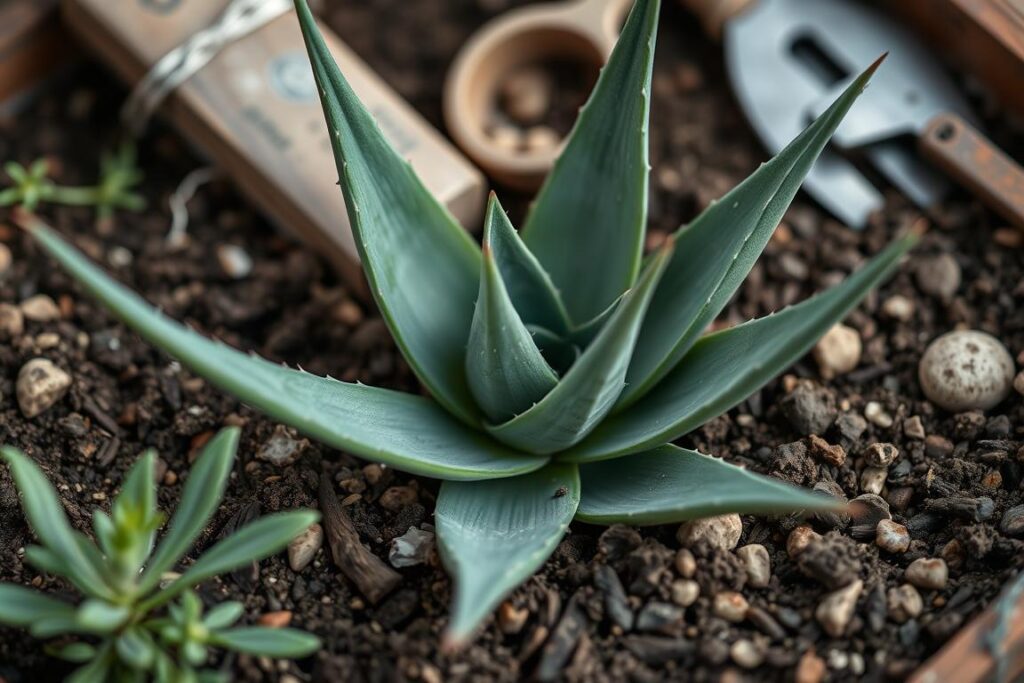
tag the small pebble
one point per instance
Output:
(47, 340)
(1018, 382)
(526, 94)
(836, 609)
(730, 606)
(833, 454)
(6, 258)
(304, 547)
(40, 385)
(1012, 523)
(234, 261)
(40, 308)
(799, 538)
(511, 619)
(12, 322)
(684, 592)
(278, 619)
(411, 548)
(721, 532)
(746, 654)
(686, 563)
(892, 536)
(898, 307)
(881, 454)
(904, 603)
(757, 563)
(872, 479)
(966, 370)
(838, 352)
(660, 616)
(928, 573)
(914, 428)
(877, 415)
(810, 669)
(938, 276)
(396, 498)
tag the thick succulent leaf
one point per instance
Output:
(268, 642)
(588, 390)
(492, 536)
(223, 615)
(99, 670)
(670, 484)
(529, 286)
(100, 616)
(46, 516)
(421, 265)
(200, 498)
(587, 225)
(407, 432)
(507, 373)
(20, 606)
(724, 368)
(715, 253)
(266, 536)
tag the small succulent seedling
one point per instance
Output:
(138, 620)
(119, 175)
(561, 363)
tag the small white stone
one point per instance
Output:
(757, 563)
(411, 548)
(872, 479)
(721, 532)
(892, 536)
(303, 547)
(898, 307)
(904, 603)
(684, 592)
(40, 308)
(730, 606)
(930, 573)
(799, 538)
(877, 415)
(234, 261)
(40, 385)
(836, 609)
(838, 352)
(881, 454)
(746, 654)
(966, 370)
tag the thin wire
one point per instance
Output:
(239, 18)
(179, 202)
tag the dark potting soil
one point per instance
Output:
(954, 479)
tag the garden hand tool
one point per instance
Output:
(787, 56)
(580, 30)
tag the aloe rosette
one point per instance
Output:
(561, 362)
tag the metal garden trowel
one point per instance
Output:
(789, 59)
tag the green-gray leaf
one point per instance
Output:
(46, 516)
(99, 616)
(671, 484)
(507, 373)
(266, 536)
(493, 535)
(407, 432)
(22, 606)
(716, 252)
(135, 648)
(268, 642)
(587, 226)
(421, 265)
(202, 494)
(724, 368)
(529, 286)
(589, 389)
(223, 615)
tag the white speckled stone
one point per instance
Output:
(966, 370)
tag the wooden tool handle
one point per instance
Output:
(972, 159)
(714, 13)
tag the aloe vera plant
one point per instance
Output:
(137, 621)
(561, 363)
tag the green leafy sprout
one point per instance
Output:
(119, 175)
(138, 620)
(561, 363)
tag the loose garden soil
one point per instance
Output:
(954, 478)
